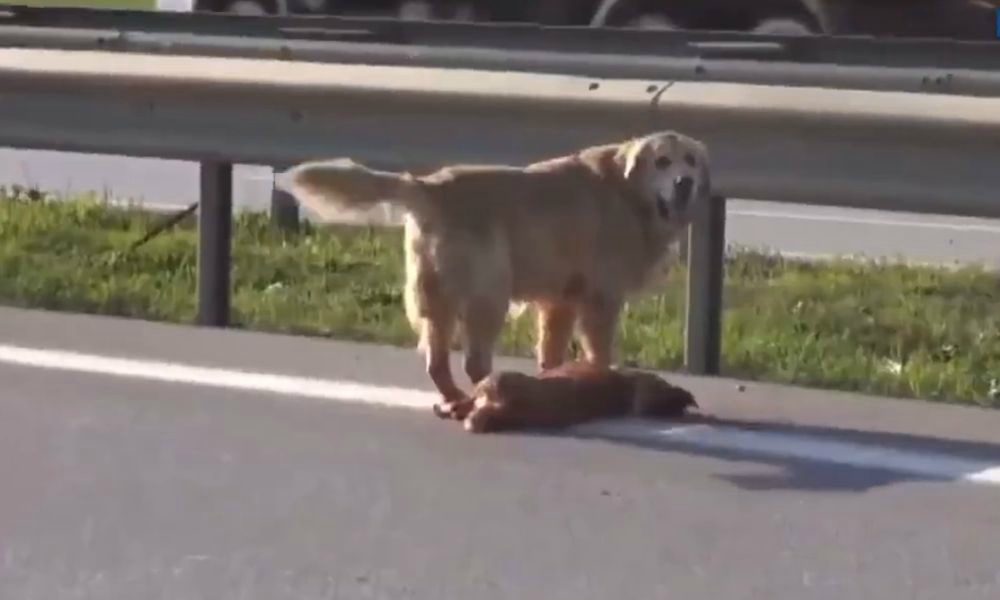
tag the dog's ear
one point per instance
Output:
(629, 155)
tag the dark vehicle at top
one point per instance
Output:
(955, 19)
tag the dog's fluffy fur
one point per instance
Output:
(572, 236)
(572, 393)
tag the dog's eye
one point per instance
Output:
(662, 162)
(689, 159)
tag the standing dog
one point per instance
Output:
(573, 236)
(570, 394)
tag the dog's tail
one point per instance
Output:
(329, 186)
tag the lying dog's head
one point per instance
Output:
(670, 171)
(492, 398)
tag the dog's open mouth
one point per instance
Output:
(662, 206)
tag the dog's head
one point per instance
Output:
(495, 399)
(670, 171)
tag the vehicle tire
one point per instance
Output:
(631, 14)
(246, 7)
(422, 10)
(774, 17)
(415, 10)
(650, 21)
(782, 26)
(465, 12)
(787, 17)
(311, 7)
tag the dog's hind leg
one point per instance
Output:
(555, 331)
(432, 314)
(598, 325)
(483, 323)
(436, 343)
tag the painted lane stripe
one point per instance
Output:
(782, 445)
(323, 389)
(873, 221)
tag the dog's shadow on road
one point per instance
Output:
(806, 457)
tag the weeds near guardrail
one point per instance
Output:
(872, 326)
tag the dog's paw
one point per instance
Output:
(455, 410)
(444, 410)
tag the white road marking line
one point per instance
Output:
(783, 445)
(324, 389)
(767, 214)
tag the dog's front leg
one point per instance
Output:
(437, 339)
(599, 316)
(484, 321)
(555, 331)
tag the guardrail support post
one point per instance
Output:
(683, 241)
(706, 253)
(215, 225)
(284, 208)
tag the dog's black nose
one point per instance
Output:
(682, 190)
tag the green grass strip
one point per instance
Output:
(878, 327)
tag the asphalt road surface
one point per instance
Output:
(797, 230)
(151, 461)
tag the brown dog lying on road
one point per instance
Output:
(572, 393)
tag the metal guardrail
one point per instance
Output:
(885, 150)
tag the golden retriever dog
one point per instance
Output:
(572, 236)
(570, 394)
